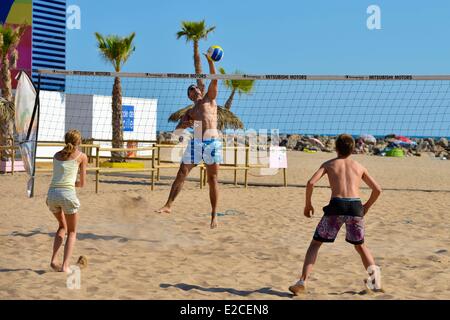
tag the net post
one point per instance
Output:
(285, 177)
(37, 109)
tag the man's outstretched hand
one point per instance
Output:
(308, 211)
(207, 57)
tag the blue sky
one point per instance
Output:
(289, 37)
(284, 36)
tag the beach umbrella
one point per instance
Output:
(316, 142)
(404, 141)
(368, 138)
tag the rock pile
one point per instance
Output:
(364, 144)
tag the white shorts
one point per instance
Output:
(61, 199)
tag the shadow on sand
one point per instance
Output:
(242, 293)
(39, 272)
(80, 236)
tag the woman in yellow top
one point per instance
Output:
(62, 198)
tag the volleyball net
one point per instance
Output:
(405, 108)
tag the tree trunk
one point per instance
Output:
(6, 137)
(198, 67)
(117, 122)
(4, 155)
(6, 126)
(6, 78)
(230, 100)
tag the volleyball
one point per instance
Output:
(215, 53)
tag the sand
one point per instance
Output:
(255, 253)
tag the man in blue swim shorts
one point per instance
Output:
(206, 145)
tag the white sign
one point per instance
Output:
(278, 157)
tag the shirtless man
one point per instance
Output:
(206, 144)
(345, 176)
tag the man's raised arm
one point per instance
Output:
(212, 89)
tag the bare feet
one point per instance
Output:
(165, 209)
(55, 266)
(298, 288)
(65, 269)
(213, 221)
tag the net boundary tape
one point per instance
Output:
(243, 76)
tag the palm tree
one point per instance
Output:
(239, 86)
(6, 117)
(116, 50)
(195, 31)
(9, 41)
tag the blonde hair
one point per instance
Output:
(72, 138)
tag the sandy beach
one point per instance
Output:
(255, 253)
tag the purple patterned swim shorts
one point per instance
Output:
(329, 226)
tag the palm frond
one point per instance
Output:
(6, 110)
(115, 49)
(227, 83)
(241, 86)
(10, 37)
(177, 115)
(244, 86)
(194, 30)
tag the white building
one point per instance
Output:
(92, 115)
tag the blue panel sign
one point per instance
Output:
(128, 118)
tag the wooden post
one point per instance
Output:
(13, 155)
(97, 171)
(153, 180)
(201, 177)
(159, 162)
(153, 169)
(89, 150)
(247, 153)
(285, 177)
(235, 163)
(205, 175)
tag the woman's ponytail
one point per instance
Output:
(72, 139)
